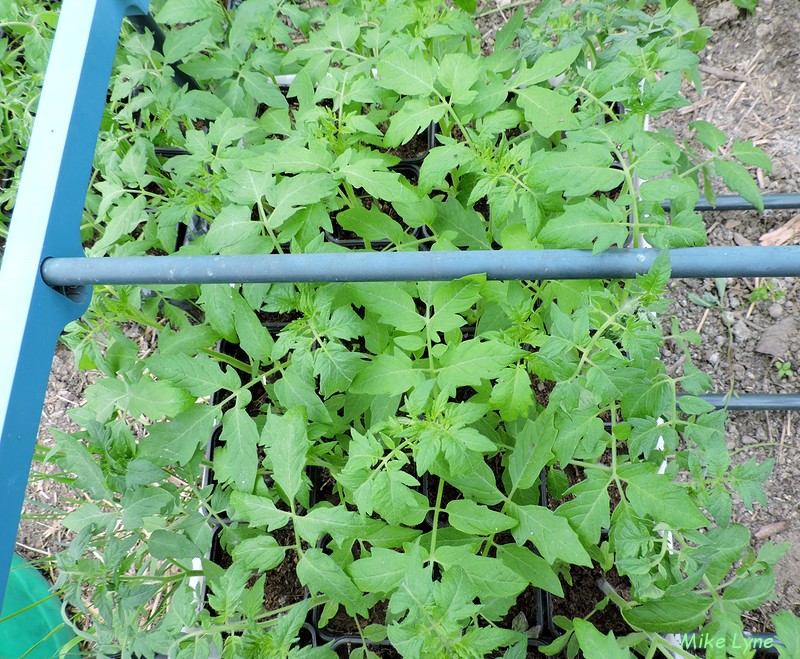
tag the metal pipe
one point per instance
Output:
(777, 201)
(741, 402)
(691, 262)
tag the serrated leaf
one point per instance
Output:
(470, 362)
(254, 338)
(237, 461)
(200, 375)
(405, 75)
(492, 578)
(749, 154)
(415, 115)
(286, 440)
(787, 626)
(513, 394)
(372, 175)
(258, 511)
(155, 399)
(588, 224)
(708, 135)
(321, 574)
(382, 572)
(387, 375)
(77, 460)
(596, 645)
(392, 497)
(655, 495)
(738, 179)
(470, 517)
(748, 480)
(751, 591)
(392, 303)
(550, 534)
(671, 614)
(589, 512)
(547, 111)
(533, 568)
(336, 521)
(216, 300)
(187, 11)
(547, 66)
(261, 553)
(177, 440)
(295, 192)
(578, 172)
(166, 545)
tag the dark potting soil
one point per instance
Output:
(416, 147)
(281, 587)
(579, 599)
(344, 647)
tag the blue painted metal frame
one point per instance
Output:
(46, 223)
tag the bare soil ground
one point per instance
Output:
(751, 71)
(750, 81)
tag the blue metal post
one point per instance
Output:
(46, 223)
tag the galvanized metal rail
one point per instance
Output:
(45, 282)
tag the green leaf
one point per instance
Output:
(547, 66)
(533, 568)
(166, 545)
(394, 306)
(513, 394)
(286, 440)
(579, 172)
(787, 626)
(177, 440)
(145, 502)
(549, 533)
(387, 375)
(261, 553)
(237, 461)
(471, 362)
(392, 497)
(187, 11)
(216, 300)
(254, 338)
(258, 511)
(415, 115)
(492, 578)
(87, 516)
(547, 111)
(321, 574)
(751, 591)
(457, 74)
(748, 480)
(587, 224)
(472, 518)
(596, 645)
(468, 6)
(750, 154)
(655, 495)
(439, 162)
(382, 572)
(298, 388)
(708, 135)
(694, 405)
(671, 614)
(404, 75)
(76, 459)
(589, 512)
(200, 375)
(338, 522)
(155, 399)
(371, 174)
(738, 179)
(295, 192)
